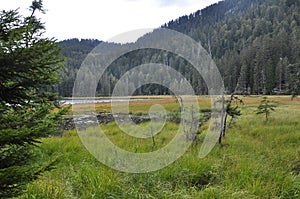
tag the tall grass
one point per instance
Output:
(258, 160)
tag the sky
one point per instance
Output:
(104, 19)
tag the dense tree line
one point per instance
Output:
(75, 51)
(255, 44)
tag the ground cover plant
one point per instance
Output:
(256, 160)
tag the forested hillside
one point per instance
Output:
(255, 44)
(75, 51)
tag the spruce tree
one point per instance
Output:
(265, 107)
(294, 79)
(29, 64)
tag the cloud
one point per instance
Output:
(172, 3)
(104, 19)
(167, 3)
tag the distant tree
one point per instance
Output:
(281, 76)
(265, 107)
(292, 2)
(242, 85)
(29, 64)
(294, 79)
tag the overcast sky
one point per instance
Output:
(103, 19)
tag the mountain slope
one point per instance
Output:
(75, 51)
(255, 44)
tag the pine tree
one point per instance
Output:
(29, 64)
(265, 107)
(294, 79)
(242, 85)
(281, 76)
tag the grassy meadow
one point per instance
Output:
(256, 160)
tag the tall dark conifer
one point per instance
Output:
(29, 64)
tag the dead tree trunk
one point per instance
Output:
(223, 111)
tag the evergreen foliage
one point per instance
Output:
(75, 51)
(265, 107)
(29, 64)
(253, 43)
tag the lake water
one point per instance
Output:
(98, 100)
